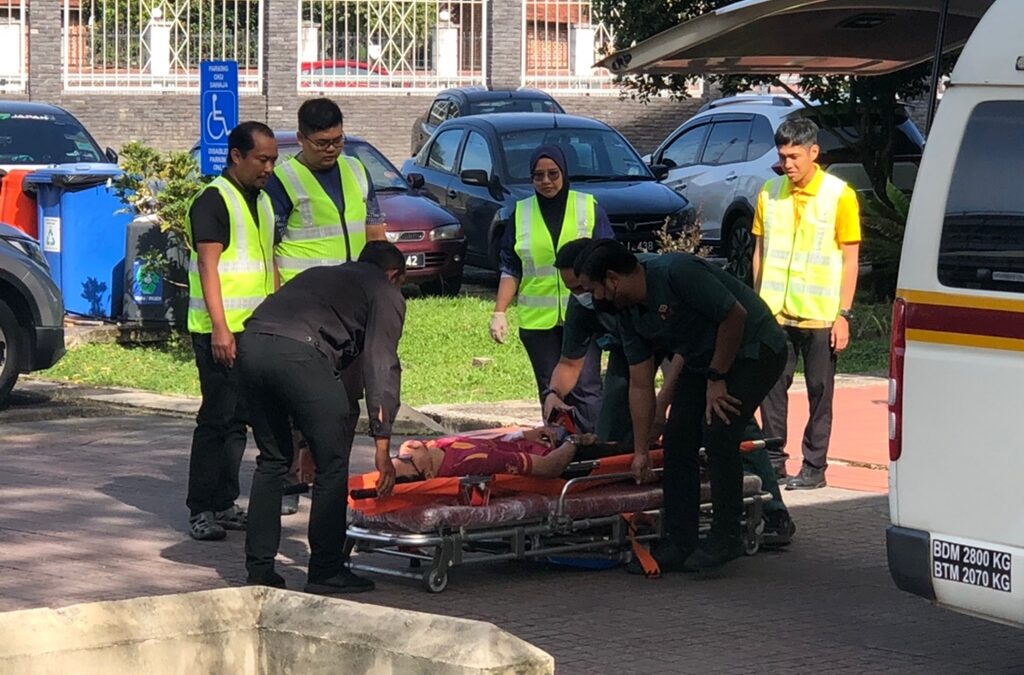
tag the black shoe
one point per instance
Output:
(272, 579)
(714, 552)
(669, 556)
(779, 529)
(807, 479)
(342, 582)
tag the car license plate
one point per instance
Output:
(414, 260)
(971, 565)
(641, 246)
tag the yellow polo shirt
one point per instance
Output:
(847, 227)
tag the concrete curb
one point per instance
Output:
(410, 422)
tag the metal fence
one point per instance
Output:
(389, 45)
(131, 46)
(13, 46)
(561, 42)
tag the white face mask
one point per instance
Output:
(585, 299)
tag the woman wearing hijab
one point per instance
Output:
(540, 225)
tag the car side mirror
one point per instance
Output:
(415, 181)
(111, 155)
(660, 171)
(475, 177)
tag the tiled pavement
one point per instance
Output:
(91, 508)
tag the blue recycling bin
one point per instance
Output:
(82, 227)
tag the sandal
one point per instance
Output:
(203, 527)
(231, 518)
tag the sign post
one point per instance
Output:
(218, 112)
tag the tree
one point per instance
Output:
(872, 101)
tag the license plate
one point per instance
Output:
(414, 260)
(971, 565)
(641, 246)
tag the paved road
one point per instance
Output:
(92, 503)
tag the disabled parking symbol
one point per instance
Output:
(217, 107)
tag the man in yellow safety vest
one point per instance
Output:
(807, 239)
(230, 272)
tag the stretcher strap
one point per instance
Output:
(647, 562)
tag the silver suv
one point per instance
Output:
(721, 157)
(31, 310)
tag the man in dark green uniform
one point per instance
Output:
(733, 352)
(582, 325)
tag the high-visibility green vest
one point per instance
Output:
(542, 296)
(316, 233)
(245, 266)
(802, 264)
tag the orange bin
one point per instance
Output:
(17, 208)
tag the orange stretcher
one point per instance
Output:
(596, 509)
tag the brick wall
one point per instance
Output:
(170, 120)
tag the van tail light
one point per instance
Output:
(897, 356)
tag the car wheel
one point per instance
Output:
(10, 351)
(447, 287)
(740, 253)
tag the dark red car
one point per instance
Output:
(340, 73)
(431, 238)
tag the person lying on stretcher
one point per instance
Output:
(544, 452)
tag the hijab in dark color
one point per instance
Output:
(552, 209)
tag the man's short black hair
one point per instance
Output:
(242, 137)
(567, 255)
(319, 114)
(604, 256)
(800, 131)
(384, 255)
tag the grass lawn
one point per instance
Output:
(442, 338)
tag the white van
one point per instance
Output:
(956, 393)
(956, 408)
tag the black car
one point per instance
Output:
(466, 101)
(478, 168)
(34, 135)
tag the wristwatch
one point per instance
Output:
(716, 375)
(846, 314)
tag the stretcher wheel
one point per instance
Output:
(435, 581)
(751, 544)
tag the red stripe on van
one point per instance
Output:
(965, 320)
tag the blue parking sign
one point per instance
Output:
(218, 112)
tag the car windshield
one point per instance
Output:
(28, 138)
(385, 177)
(591, 154)
(537, 105)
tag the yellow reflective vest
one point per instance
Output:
(316, 233)
(542, 296)
(245, 266)
(802, 264)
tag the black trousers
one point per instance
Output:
(814, 345)
(544, 347)
(286, 379)
(218, 441)
(686, 431)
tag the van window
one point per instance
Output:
(982, 244)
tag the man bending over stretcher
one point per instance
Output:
(526, 453)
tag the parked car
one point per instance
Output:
(431, 238)
(478, 168)
(31, 310)
(721, 157)
(34, 135)
(467, 101)
(340, 73)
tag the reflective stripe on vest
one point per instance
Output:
(315, 229)
(542, 297)
(802, 264)
(245, 266)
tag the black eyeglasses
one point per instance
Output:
(552, 175)
(327, 143)
(408, 460)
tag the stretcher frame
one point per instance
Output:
(432, 555)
